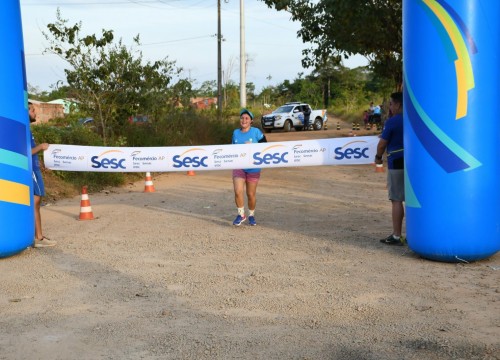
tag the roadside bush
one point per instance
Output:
(46, 133)
(180, 128)
(95, 181)
(69, 135)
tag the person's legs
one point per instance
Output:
(395, 185)
(251, 185)
(38, 193)
(38, 218)
(251, 194)
(398, 213)
(239, 196)
(239, 191)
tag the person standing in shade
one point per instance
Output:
(391, 141)
(246, 178)
(38, 185)
(377, 115)
(307, 116)
(370, 113)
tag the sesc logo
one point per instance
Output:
(184, 161)
(351, 153)
(108, 162)
(270, 157)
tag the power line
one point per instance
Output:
(147, 44)
(178, 40)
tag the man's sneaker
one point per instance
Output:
(391, 240)
(44, 242)
(251, 220)
(239, 219)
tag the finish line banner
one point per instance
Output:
(336, 151)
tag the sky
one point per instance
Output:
(183, 31)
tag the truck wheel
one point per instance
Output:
(318, 124)
(288, 126)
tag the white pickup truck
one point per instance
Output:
(291, 116)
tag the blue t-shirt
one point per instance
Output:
(34, 157)
(393, 134)
(252, 136)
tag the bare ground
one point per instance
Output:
(165, 275)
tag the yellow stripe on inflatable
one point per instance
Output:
(462, 100)
(465, 76)
(14, 192)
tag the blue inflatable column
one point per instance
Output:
(16, 196)
(451, 55)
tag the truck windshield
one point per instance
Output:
(284, 109)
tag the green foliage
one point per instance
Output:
(71, 134)
(95, 181)
(372, 28)
(110, 81)
(207, 89)
(44, 133)
(180, 128)
(332, 86)
(58, 92)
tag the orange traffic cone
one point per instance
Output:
(148, 184)
(85, 208)
(379, 168)
(190, 173)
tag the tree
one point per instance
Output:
(341, 28)
(110, 81)
(227, 82)
(250, 87)
(182, 92)
(208, 89)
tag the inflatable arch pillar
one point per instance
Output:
(451, 53)
(16, 196)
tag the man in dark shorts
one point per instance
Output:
(391, 141)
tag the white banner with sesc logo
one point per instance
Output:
(336, 151)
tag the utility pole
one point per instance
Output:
(219, 64)
(243, 81)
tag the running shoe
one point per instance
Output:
(44, 242)
(251, 221)
(391, 240)
(239, 219)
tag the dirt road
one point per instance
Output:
(165, 275)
